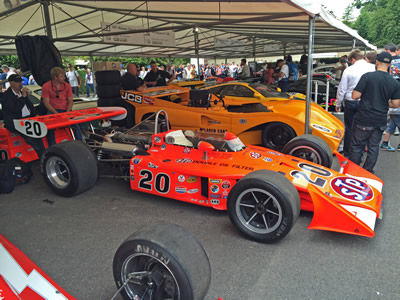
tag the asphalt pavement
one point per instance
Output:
(74, 240)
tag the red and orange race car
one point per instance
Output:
(262, 190)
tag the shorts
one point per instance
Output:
(393, 122)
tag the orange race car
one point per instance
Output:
(269, 123)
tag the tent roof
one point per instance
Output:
(263, 27)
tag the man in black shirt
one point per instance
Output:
(16, 105)
(375, 90)
(157, 77)
(130, 80)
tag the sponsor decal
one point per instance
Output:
(132, 167)
(137, 161)
(180, 189)
(225, 197)
(163, 147)
(242, 121)
(214, 188)
(226, 184)
(194, 200)
(267, 159)
(215, 180)
(192, 179)
(148, 100)
(255, 155)
(213, 130)
(157, 139)
(17, 143)
(192, 191)
(213, 122)
(215, 196)
(187, 150)
(321, 128)
(201, 201)
(154, 150)
(184, 160)
(181, 178)
(274, 153)
(352, 189)
(132, 97)
(214, 201)
(151, 165)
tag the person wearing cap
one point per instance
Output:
(57, 97)
(6, 69)
(375, 89)
(350, 77)
(16, 105)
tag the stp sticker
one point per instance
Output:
(181, 178)
(352, 189)
(321, 128)
(255, 155)
(180, 189)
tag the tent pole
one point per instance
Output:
(196, 49)
(309, 71)
(47, 19)
(254, 51)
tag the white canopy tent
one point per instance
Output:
(254, 28)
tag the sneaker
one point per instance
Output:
(398, 147)
(396, 132)
(387, 147)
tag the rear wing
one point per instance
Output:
(38, 126)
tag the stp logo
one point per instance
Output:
(352, 189)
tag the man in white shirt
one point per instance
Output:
(7, 71)
(245, 73)
(74, 80)
(350, 78)
(282, 75)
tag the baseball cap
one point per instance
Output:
(384, 57)
(4, 67)
(15, 78)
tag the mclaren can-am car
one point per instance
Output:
(272, 125)
(262, 190)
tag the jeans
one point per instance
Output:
(393, 122)
(89, 86)
(350, 110)
(283, 84)
(365, 136)
(51, 138)
(75, 90)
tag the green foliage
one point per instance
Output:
(378, 21)
(10, 60)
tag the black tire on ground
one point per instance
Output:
(249, 108)
(176, 265)
(108, 91)
(276, 135)
(108, 77)
(69, 168)
(264, 205)
(311, 148)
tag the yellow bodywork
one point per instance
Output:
(217, 119)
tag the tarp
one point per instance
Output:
(260, 27)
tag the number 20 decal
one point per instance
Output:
(33, 129)
(318, 181)
(161, 181)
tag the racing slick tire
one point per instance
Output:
(108, 77)
(264, 205)
(108, 91)
(173, 263)
(311, 148)
(69, 168)
(276, 135)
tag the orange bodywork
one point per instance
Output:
(217, 119)
(348, 201)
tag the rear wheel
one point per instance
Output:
(69, 168)
(311, 148)
(162, 261)
(276, 135)
(264, 205)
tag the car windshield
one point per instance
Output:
(266, 91)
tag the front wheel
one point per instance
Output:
(162, 261)
(264, 205)
(276, 135)
(311, 148)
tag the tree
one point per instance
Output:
(378, 21)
